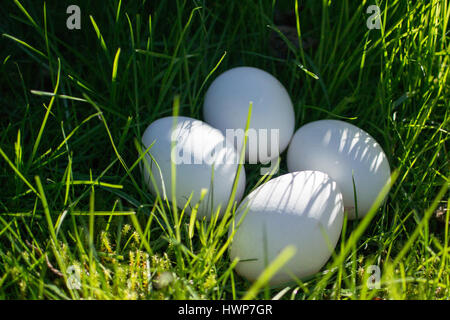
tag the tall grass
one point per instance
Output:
(75, 102)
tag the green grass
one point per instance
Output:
(73, 104)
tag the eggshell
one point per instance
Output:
(199, 151)
(226, 107)
(303, 209)
(341, 150)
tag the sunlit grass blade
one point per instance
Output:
(270, 271)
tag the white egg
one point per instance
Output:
(303, 209)
(203, 158)
(346, 153)
(272, 122)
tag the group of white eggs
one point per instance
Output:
(331, 163)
